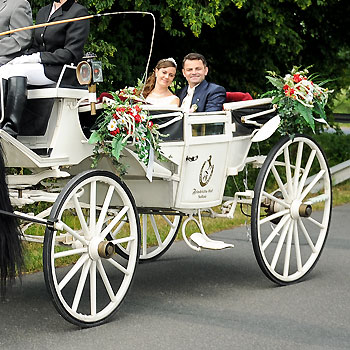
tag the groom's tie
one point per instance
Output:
(187, 101)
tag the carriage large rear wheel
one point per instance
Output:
(85, 277)
(291, 209)
(158, 232)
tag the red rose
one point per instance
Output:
(120, 109)
(138, 109)
(137, 118)
(289, 92)
(285, 87)
(150, 124)
(297, 78)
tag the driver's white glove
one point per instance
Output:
(33, 58)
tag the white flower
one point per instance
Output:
(193, 108)
(309, 97)
(122, 120)
(112, 125)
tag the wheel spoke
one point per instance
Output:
(119, 227)
(80, 215)
(306, 172)
(320, 225)
(274, 216)
(155, 229)
(312, 184)
(297, 166)
(288, 249)
(275, 199)
(279, 182)
(81, 284)
(171, 224)
(104, 209)
(306, 235)
(288, 170)
(118, 266)
(81, 261)
(144, 234)
(280, 244)
(114, 222)
(93, 288)
(92, 221)
(297, 247)
(275, 231)
(123, 240)
(70, 252)
(317, 199)
(74, 233)
(105, 280)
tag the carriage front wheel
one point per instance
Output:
(291, 209)
(85, 277)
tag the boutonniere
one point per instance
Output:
(193, 108)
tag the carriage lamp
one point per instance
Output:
(96, 72)
(89, 72)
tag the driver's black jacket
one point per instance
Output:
(62, 43)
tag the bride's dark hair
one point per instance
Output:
(151, 80)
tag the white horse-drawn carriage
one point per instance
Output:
(99, 226)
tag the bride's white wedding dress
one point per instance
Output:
(163, 101)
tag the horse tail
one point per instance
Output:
(11, 252)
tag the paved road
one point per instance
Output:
(207, 300)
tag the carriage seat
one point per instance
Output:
(39, 106)
(238, 96)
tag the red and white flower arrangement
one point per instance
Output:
(124, 122)
(300, 100)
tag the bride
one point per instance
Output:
(156, 90)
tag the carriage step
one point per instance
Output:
(207, 243)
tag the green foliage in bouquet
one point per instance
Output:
(299, 100)
(124, 122)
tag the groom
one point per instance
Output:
(199, 95)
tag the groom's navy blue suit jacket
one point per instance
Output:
(209, 97)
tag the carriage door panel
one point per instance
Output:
(203, 171)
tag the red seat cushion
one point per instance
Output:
(238, 96)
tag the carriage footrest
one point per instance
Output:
(207, 243)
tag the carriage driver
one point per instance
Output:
(53, 47)
(199, 95)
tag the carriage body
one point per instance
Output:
(205, 152)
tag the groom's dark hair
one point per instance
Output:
(194, 56)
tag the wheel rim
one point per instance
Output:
(88, 292)
(291, 212)
(158, 232)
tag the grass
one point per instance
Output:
(33, 251)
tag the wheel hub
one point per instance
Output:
(305, 210)
(101, 249)
(298, 209)
(106, 249)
